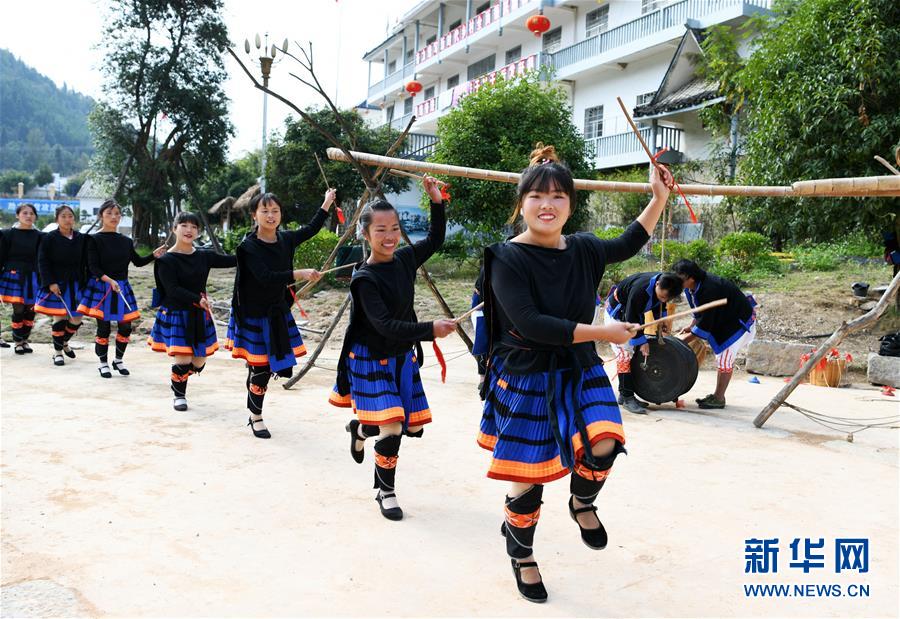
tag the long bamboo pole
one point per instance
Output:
(835, 187)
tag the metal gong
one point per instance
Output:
(671, 370)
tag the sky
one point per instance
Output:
(58, 38)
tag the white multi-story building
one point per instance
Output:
(639, 50)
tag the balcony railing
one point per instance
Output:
(388, 82)
(623, 143)
(511, 70)
(651, 23)
(428, 106)
(480, 22)
(418, 146)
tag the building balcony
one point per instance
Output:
(622, 149)
(489, 20)
(391, 82)
(418, 146)
(649, 30)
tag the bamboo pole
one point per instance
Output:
(846, 187)
(689, 312)
(462, 317)
(836, 338)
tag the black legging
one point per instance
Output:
(22, 321)
(101, 345)
(257, 383)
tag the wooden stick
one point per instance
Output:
(343, 266)
(695, 310)
(836, 338)
(874, 185)
(322, 170)
(411, 175)
(462, 317)
(640, 138)
(884, 162)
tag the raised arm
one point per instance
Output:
(424, 249)
(221, 261)
(377, 312)
(304, 233)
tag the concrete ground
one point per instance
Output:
(114, 504)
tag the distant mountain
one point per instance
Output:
(40, 123)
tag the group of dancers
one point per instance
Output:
(549, 410)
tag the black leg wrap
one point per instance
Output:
(123, 332)
(522, 515)
(585, 490)
(180, 373)
(197, 370)
(386, 450)
(369, 431)
(418, 434)
(257, 383)
(626, 385)
(101, 345)
(58, 332)
(71, 329)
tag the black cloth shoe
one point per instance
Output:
(595, 539)
(104, 371)
(391, 513)
(641, 403)
(353, 429)
(58, 359)
(119, 366)
(27, 347)
(69, 352)
(4, 344)
(258, 433)
(533, 593)
(180, 404)
(630, 404)
(20, 348)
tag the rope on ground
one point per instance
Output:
(842, 424)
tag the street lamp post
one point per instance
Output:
(266, 60)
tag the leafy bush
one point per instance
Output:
(731, 271)
(699, 251)
(821, 257)
(311, 254)
(859, 245)
(609, 233)
(233, 238)
(744, 249)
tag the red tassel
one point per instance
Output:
(445, 192)
(440, 358)
(297, 303)
(340, 216)
(678, 189)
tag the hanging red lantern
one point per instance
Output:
(414, 87)
(538, 24)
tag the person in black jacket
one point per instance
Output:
(629, 301)
(19, 274)
(378, 369)
(728, 329)
(549, 408)
(261, 330)
(108, 296)
(184, 327)
(3, 343)
(61, 261)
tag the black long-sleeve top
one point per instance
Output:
(109, 253)
(19, 249)
(384, 318)
(61, 259)
(720, 326)
(181, 278)
(636, 295)
(265, 269)
(536, 296)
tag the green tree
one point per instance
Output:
(166, 121)
(74, 183)
(231, 179)
(9, 180)
(823, 97)
(43, 175)
(496, 128)
(292, 172)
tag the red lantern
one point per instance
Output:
(538, 24)
(414, 87)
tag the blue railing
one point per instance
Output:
(389, 82)
(622, 143)
(673, 15)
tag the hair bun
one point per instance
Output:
(543, 154)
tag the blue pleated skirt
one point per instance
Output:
(50, 304)
(17, 286)
(515, 424)
(98, 300)
(171, 335)
(384, 391)
(248, 339)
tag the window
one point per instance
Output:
(409, 55)
(407, 106)
(455, 24)
(429, 92)
(596, 21)
(552, 40)
(513, 54)
(593, 122)
(648, 6)
(481, 9)
(431, 39)
(391, 66)
(644, 99)
(390, 114)
(485, 65)
(452, 82)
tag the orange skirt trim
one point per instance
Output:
(50, 311)
(100, 315)
(420, 418)
(258, 360)
(173, 351)
(9, 299)
(395, 414)
(341, 401)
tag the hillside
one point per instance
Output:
(39, 122)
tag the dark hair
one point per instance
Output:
(671, 283)
(261, 198)
(688, 269)
(107, 205)
(544, 173)
(184, 217)
(365, 218)
(25, 205)
(60, 209)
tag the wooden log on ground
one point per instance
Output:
(836, 338)
(844, 187)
